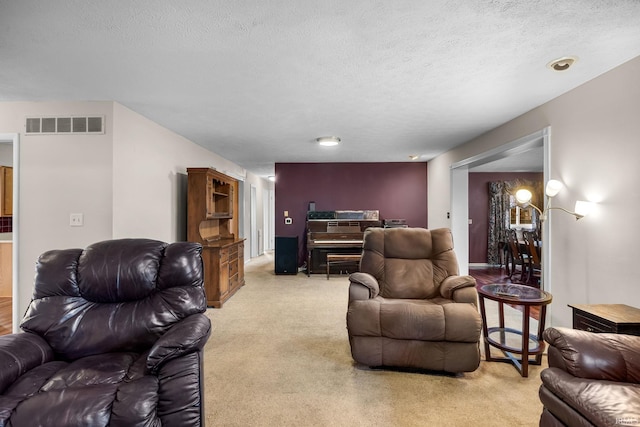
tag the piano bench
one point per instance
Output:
(336, 259)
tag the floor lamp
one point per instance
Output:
(553, 187)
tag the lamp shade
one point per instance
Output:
(553, 187)
(523, 196)
(583, 208)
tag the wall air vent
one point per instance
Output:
(86, 125)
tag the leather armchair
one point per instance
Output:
(592, 379)
(408, 307)
(112, 337)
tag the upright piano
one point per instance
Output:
(341, 234)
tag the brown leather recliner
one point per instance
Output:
(592, 379)
(112, 337)
(408, 307)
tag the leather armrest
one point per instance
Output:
(186, 336)
(583, 354)
(451, 284)
(363, 286)
(581, 401)
(20, 353)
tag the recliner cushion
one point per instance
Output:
(74, 306)
(414, 320)
(95, 390)
(409, 262)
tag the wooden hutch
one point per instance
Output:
(212, 209)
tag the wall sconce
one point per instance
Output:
(553, 187)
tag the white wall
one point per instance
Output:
(150, 177)
(59, 175)
(594, 151)
(129, 182)
(6, 154)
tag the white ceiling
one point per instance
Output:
(258, 81)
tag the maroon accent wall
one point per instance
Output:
(479, 208)
(397, 190)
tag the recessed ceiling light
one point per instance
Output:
(562, 64)
(328, 141)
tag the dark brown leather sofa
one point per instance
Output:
(408, 305)
(112, 337)
(592, 379)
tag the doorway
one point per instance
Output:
(9, 292)
(254, 221)
(460, 195)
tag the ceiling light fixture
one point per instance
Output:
(562, 64)
(414, 157)
(328, 141)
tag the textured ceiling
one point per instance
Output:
(258, 81)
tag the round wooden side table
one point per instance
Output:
(513, 342)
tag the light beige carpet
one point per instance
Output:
(279, 356)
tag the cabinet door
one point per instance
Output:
(241, 264)
(6, 191)
(6, 269)
(209, 200)
(224, 272)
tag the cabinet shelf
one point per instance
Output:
(211, 207)
(220, 215)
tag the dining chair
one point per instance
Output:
(532, 246)
(519, 259)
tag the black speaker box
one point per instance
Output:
(286, 255)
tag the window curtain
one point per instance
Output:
(501, 200)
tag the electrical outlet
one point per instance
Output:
(288, 221)
(76, 220)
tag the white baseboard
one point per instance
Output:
(479, 265)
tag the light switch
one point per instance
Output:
(286, 213)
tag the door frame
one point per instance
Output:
(14, 138)
(459, 173)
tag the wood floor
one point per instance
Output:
(488, 275)
(5, 315)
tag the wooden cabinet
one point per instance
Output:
(6, 191)
(6, 269)
(223, 270)
(212, 205)
(606, 318)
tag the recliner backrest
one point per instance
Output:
(116, 295)
(409, 262)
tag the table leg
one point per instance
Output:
(501, 320)
(483, 313)
(541, 322)
(525, 341)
